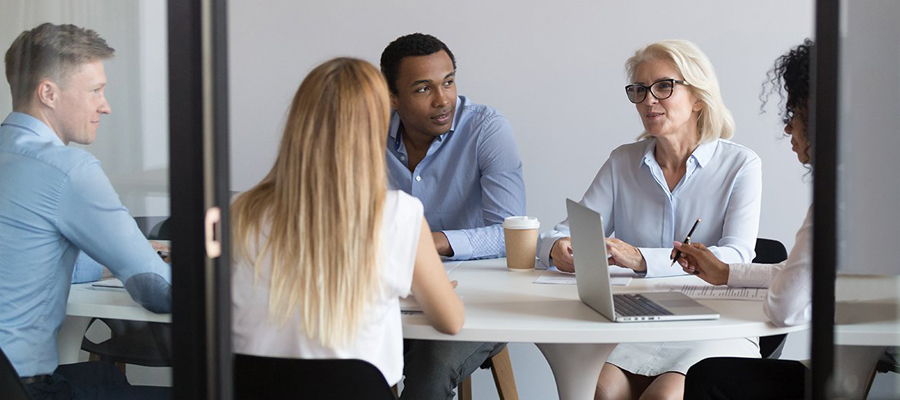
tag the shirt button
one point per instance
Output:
(418, 178)
(402, 158)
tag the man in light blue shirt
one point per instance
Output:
(459, 158)
(57, 202)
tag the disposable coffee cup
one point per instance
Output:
(521, 242)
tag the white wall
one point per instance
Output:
(555, 69)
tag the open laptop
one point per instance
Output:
(594, 289)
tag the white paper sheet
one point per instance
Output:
(723, 292)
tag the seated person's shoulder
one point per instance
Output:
(631, 152)
(398, 199)
(737, 151)
(63, 158)
(478, 114)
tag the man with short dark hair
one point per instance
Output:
(56, 202)
(459, 158)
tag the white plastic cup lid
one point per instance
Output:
(521, 222)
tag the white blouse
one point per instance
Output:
(379, 340)
(722, 185)
(789, 282)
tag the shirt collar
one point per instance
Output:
(394, 128)
(702, 154)
(36, 126)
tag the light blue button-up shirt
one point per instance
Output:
(469, 181)
(54, 201)
(722, 185)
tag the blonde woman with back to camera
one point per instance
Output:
(651, 192)
(323, 251)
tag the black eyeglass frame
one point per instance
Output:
(649, 89)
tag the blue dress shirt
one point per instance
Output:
(469, 181)
(722, 185)
(57, 200)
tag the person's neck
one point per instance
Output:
(416, 141)
(673, 153)
(41, 114)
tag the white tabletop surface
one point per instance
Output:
(867, 310)
(88, 301)
(503, 305)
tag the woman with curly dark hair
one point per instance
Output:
(789, 301)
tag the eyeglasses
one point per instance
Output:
(660, 89)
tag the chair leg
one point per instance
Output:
(503, 376)
(465, 389)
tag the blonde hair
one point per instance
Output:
(715, 120)
(322, 203)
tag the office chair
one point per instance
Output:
(132, 342)
(293, 378)
(147, 344)
(11, 388)
(501, 368)
(770, 251)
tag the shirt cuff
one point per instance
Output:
(459, 242)
(659, 264)
(546, 246)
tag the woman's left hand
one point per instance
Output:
(625, 255)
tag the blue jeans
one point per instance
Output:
(433, 369)
(98, 380)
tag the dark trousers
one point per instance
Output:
(732, 378)
(434, 368)
(98, 380)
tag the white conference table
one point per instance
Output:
(501, 306)
(506, 306)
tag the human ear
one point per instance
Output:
(47, 93)
(698, 105)
(393, 101)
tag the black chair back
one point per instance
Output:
(11, 388)
(288, 378)
(770, 251)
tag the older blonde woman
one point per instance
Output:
(323, 250)
(650, 193)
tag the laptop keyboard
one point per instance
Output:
(635, 305)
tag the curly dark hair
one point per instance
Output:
(414, 44)
(791, 73)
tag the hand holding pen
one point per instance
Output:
(687, 240)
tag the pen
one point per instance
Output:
(687, 240)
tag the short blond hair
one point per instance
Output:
(50, 52)
(715, 120)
